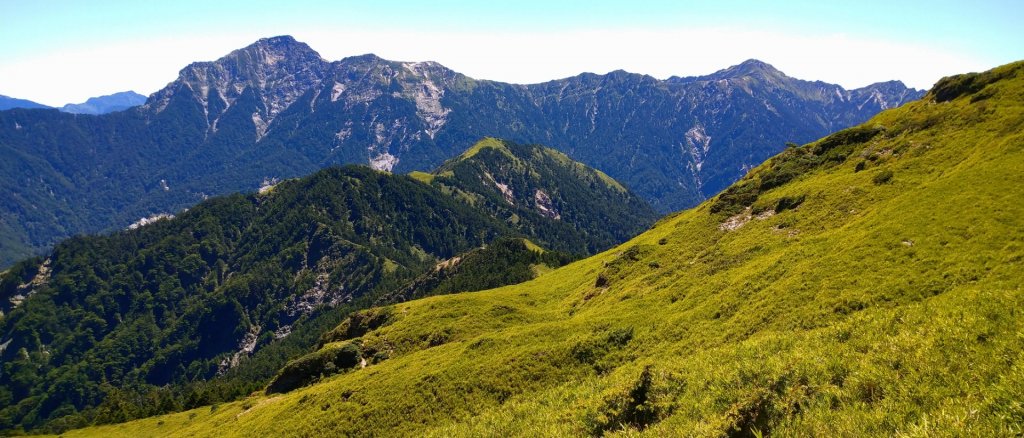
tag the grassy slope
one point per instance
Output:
(889, 308)
(488, 142)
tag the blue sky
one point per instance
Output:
(58, 51)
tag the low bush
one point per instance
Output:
(311, 368)
(882, 177)
(358, 324)
(632, 407)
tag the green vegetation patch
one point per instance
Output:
(487, 143)
(952, 87)
(313, 367)
(358, 324)
(422, 177)
(790, 164)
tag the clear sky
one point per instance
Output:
(61, 51)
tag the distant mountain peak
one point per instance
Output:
(892, 85)
(7, 102)
(276, 40)
(278, 47)
(750, 67)
(106, 104)
(268, 53)
(755, 63)
(366, 57)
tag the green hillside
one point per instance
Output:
(207, 306)
(563, 203)
(865, 284)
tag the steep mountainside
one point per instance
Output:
(865, 284)
(276, 109)
(106, 104)
(155, 311)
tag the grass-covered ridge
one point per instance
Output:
(486, 143)
(874, 306)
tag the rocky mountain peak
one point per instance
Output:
(267, 53)
(884, 95)
(276, 70)
(281, 42)
(359, 80)
(891, 86)
(370, 66)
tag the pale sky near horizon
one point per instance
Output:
(60, 51)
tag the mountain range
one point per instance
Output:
(7, 102)
(106, 104)
(276, 109)
(94, 105)
(865, 284)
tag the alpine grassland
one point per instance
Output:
(866, 284)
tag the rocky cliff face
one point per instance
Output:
(266, 78)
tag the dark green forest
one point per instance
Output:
(504, 261)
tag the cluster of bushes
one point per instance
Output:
(313, 367)
(358, 324)
(502, 262)
(630, 406)
(952, 87)
(616, 268)
(790, 164)
(604, 350)
(780, 205)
